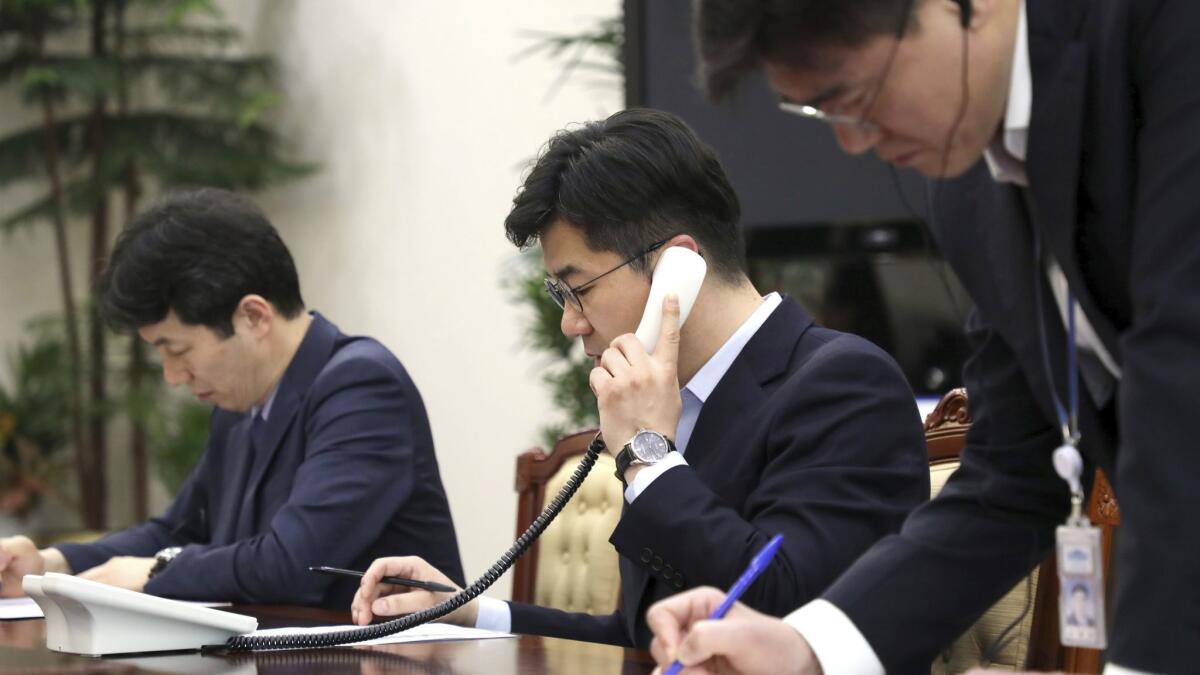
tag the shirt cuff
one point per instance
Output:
(1114, 669)
(494, 615)
(646, 476)
(839, 646)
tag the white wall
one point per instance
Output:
(422, 120)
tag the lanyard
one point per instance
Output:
(1068, 463)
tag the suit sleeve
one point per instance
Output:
(1158, 467)
(184, 521)
(534, 620)
(357, 470)
(843, 465)
(916, 591)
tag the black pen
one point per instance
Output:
(399, 581)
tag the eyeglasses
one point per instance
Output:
(858, 119)
(815, 113)
(562, 293)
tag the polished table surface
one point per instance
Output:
(23, 650)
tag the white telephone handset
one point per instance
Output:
(680, 271)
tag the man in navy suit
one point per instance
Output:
(319, 450)
(781, 426)
(1083, 210)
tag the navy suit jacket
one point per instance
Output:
(811, 433)
(341, 473)
(1114, 177)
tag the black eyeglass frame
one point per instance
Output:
(561, 294)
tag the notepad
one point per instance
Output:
(429, 632)
(19, 608)
(12, 609)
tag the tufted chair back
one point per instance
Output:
(1034, 645)
(945, 435)
(572, 566)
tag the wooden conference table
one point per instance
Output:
(23, 650)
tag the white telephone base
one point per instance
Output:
(93, 619)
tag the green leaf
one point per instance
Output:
(81, 76)
(183, 8)
(188, 150)
(255, 107)
(182, 442)
(22, 152)
(150, 36)
(80, 195)
(36, 404)
(23, 17)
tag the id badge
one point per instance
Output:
(1081, 587)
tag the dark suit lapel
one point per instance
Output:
(239, 453)
(310, 358)
(1058, 60)
(740, 391)
(738, 394)
(983, 229)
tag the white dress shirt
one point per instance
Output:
(1006, 160)
(495, 614)
(265, 408)
(836, 641)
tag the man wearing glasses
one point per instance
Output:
(1077, 237)
(781, 427)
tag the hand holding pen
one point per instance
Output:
(686, 628)
(397, 581)
(376, 598)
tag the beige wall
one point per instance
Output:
(422, 120)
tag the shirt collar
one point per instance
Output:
(265, 409)
(705, 380)
(1006, 154)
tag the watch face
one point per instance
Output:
(650, 447)
(168, 554)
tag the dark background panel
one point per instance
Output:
(831, 230)
(787, 170)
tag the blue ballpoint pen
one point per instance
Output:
(757, 565)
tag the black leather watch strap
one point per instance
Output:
(624, 459)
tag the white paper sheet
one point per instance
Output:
(19, 608)
(430, 632)
(26, 608)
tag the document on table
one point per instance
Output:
(429, 632)
(26, 608)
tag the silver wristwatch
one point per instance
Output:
(646, 447)
(164, 558)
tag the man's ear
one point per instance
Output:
(684, 240)
(256, 314)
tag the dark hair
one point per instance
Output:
(638, 177)
(734, 37)
(197, 253)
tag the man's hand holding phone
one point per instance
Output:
(636, 389)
